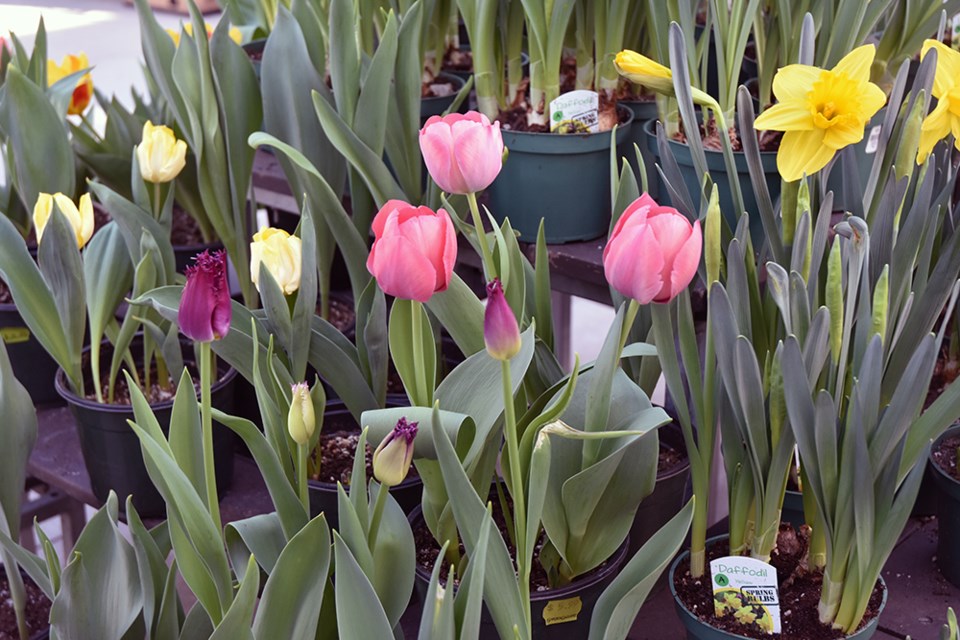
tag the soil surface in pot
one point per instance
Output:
(437, 89)
(428, 550)
(768, 140)
(515, 118)
(457, 60)
(185, 231)
(945, 371)
(945, 456)
(336, 449)
(121, 393)
(799, 592)
(37, 609)
(669, 460)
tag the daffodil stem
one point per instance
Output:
(302, 453)
(516, 487)
(378, 506)
(485, 253)
(206, 421)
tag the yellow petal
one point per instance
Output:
(935, 128)
(844, 132)
(41, 213)
(794, 81)
(792, 115)
(85, 230)
(872, 99)
(802, 153)
(857, 63)
(948, 67)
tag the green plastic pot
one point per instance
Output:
(31, 363)
(700, 630)
(436, 105)
(643, 112)
(323, 495)
(718, 171)
(582, 593)
(564, 179)
(948, 513)
(111, 450)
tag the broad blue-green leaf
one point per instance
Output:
(236, 622)
(359, 614)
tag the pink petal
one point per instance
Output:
(436, 145)
(635, 213)
(478, 152)
(381, 218)
(402, 271)
(633, 264)
(449, 251)
(685, 263)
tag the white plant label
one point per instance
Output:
(746, 589)
(874, 140)
(575, 112)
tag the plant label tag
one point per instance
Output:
(874, 140)
(576, 112)
(746, 589)
(14, 335)
(560, 611)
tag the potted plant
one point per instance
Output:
(944, 465)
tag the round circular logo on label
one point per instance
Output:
(722, 580)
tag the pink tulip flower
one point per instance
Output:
(501, 335)
(463, 152)
(205, 310)
(413, 252)
(652, 253)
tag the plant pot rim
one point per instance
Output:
(870, 626)
(649, 129)
(622, 129)
(942, 474)
(680, 469)
(60, 383)
(613, 565)
(446, 76)
(197, 246)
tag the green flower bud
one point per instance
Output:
(301, 420)
(392, 459)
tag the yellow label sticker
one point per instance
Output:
(560, 611)
(14, 335)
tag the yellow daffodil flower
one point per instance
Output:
(640, 69)
(821, 111)
(281, 253)
(81, 219)
(84, 90)
(945, 118)
(160, 155)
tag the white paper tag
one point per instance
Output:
(746, 589)
(874, 140)
(575, 112)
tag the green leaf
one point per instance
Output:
(359, 613)
(260, 536)
(43, 158)
(292, 598)
(461, 313)
(617, 607)
(18, 432)
(236, 622)
(414, 356)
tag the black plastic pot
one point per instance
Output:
(564, 179)
(792, 510)
(718, 171)
(700, 630)
(183, 254)
(643, 111)
(323, 495)
(436, 105)
(579, 597)
(254, 50)
(669, 494)
(948, 512)
(31, 363)
(111, 450)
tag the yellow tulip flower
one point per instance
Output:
(281, 253)
(160, 155)
(84, 90)
(945, 118)
(80, 219)
(821, 111)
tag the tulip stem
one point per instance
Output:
(485, 253)
(302, 453)
(632, 309)
(420, 381)
(156, 200)
(378, 506)
(206, 418)
(516, 488)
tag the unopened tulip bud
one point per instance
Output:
(301, 420)
(392, 459)
(205, 308)
(160, 155)
(500, 331)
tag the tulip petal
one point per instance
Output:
(380, 220)
(401, 270)
(635, 214)
(793, 81)
(436, 146)
(802, 152)
(857, 63)
(791, 115)
(478, 153)
(449, 251)
(634, 264)
(685, 263)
